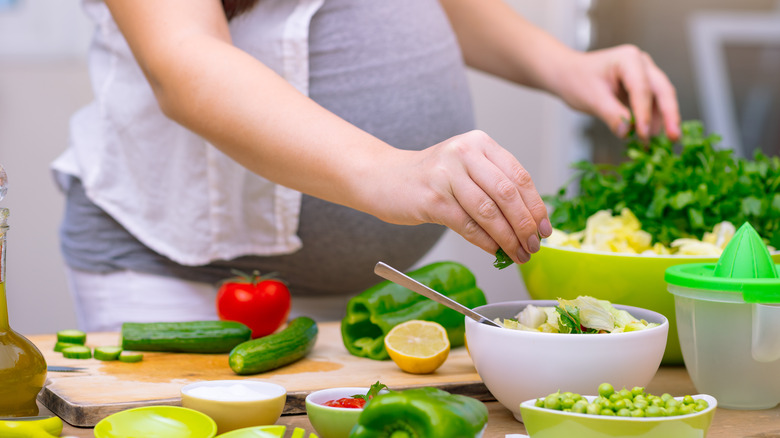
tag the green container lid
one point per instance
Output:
(745, 267)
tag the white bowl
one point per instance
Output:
(520, 365)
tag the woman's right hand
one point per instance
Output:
(470, 184)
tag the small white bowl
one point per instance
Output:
(518, 365)
(235, 404)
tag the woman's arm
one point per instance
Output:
(606, 83)
(468, 183)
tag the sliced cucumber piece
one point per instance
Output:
(130, 356)
(107, 353)
(77, 352)
(72, 336)
(59, 346)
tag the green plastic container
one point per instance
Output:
(728, 323)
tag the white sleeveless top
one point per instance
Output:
(139, 166)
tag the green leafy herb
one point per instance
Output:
(372, 391)
(569, 320)
(502, 260)
(676, 190)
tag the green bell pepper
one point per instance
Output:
(373, 313)
(421, 413)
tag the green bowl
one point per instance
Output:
(156, 422)
(328, 421)
(633, 280)
(274, 431)
(548, 423)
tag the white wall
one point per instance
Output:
(43, 80)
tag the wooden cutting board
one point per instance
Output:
(103, 388)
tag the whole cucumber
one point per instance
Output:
(291, 344)
(184, 337)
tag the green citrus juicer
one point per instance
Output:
(728, 319)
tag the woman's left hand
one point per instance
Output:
(616, 82)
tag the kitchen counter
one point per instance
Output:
(674, 380)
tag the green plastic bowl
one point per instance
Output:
(549, 423)
(331, 422)
(156, 422)
(633, 280)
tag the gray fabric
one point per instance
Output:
(392, 69)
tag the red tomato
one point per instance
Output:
(347, 402)
(261, 303)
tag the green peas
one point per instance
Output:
(553, 401)
(605, 390)
(623, 403)
(653, 411)
(580, 407)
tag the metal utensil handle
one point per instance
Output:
(390, 273)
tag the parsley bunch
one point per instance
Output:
(677, 190)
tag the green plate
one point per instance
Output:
(275, 431)
(548, 423)
(156, 422)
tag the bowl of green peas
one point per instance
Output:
(618, 413)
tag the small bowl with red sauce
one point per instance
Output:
(334, 412)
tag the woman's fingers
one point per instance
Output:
(498, 205)
(666, 107)
(622, 81)
(633, 75)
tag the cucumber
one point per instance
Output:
(107, 353)
(72, 336)
(59, 346)
(184, 337)
(130, 356)
(273, 351)
(77, 352)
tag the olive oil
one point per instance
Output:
(22, 367)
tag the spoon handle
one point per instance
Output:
(389, 273)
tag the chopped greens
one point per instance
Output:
(677, 191)
(583, 314)
(502, 260)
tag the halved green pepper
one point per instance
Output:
(421, 413)
(372, 314)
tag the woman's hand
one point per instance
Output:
(610, 83)
(470, 184)
(613, 83)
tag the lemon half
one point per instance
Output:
(418, 347)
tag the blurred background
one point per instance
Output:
(723, 56)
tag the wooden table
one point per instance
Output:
(674, 380)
